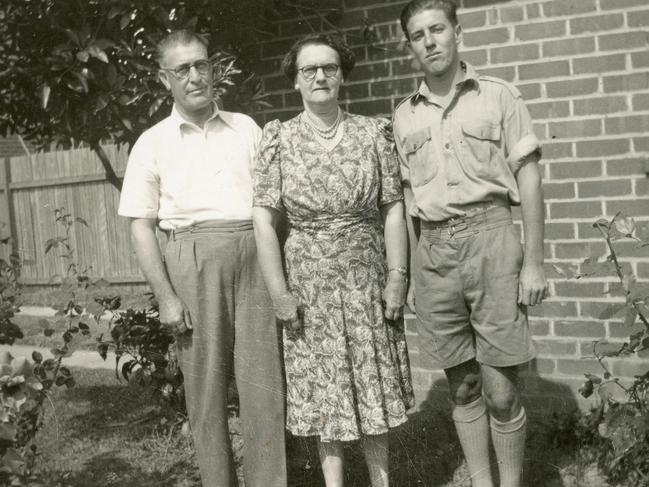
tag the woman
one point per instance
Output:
(337, 177)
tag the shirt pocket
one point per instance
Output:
(480, 141)
(416, 146)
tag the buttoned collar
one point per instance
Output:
(468, 75)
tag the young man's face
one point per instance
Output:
(193, 93)
(434, 41)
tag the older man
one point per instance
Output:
(468, 153)
(191, 175)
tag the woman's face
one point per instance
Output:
(317, 77)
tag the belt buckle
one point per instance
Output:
(456, 225)
(451, 227)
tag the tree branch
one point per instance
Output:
(111, 176)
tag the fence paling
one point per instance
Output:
(6, 212)
(33, 187)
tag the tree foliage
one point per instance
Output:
(82, 71)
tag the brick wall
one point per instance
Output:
(582, 67)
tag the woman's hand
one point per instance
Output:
(394, 296)
(287, 312)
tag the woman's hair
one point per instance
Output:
(415, 6)
(346, 55)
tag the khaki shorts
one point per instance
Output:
(466, 291)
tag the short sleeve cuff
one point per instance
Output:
(268, 202)
(132, 213)
(519, 155)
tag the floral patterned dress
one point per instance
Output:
(347, 370)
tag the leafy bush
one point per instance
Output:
(143, 352)
(9, 297)
(146, 352)
(20, 394)
(618, 428)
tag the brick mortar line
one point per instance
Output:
(514, 41)
(625, 71)
(526, 20)
(593, 199)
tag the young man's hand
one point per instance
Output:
(410, 297)
(532, 285)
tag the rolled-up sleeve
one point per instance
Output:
(140, 196)
(521, 143)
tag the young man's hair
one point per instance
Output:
(178, 37)
(413, 7)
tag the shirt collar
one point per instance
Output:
(179, 121)
(468, 75)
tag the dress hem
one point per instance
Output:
(393, 424)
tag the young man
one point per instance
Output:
(468, 153)
(191, 175)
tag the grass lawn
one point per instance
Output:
(94, 434)
(99, 434)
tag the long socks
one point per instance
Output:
(509, 443)
(473, 430)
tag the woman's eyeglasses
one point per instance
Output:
(309, 72)
(202, 66)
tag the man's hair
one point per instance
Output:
(413, 7)
(346, 55)
(177, 37)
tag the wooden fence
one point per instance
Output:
(32, 187)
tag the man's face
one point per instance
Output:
(193, 93)
(434, 42)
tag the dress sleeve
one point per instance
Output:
(389, 170)
(267, 189)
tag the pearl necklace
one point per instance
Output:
(328, 133)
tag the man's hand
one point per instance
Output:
(174, 316)
(394, 296)
(532, 285)
(410, 298)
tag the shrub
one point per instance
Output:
(618, 428)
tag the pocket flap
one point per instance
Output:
(482, 129)
(414, 141)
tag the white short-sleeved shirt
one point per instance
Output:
(181, 174)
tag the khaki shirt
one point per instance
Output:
(466, 153)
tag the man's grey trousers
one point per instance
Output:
(213, 269)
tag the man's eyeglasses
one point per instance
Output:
(309, 72)
(202, 66)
